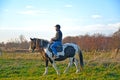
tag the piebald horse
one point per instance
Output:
(69, 51)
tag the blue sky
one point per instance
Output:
(37, 18)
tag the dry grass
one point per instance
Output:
(21, 56)
(88, 56)
(101, 57)
(30, 66)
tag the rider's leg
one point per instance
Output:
(53, 47)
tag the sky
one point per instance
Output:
(37, 18)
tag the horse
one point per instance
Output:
(69, 50)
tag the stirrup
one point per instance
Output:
(56, 56)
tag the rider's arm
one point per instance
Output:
(56, 37)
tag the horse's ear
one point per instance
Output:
(31, 39)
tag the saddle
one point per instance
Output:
(59, 48)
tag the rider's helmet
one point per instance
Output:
(57, 26)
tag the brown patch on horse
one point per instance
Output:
(37, 44)
(41, 50)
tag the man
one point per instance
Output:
(57, 40)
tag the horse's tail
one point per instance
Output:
(81, 59)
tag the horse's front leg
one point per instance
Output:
(54, 65)
(46, 68)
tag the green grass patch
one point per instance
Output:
(32, 68)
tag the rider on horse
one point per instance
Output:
(57, 40)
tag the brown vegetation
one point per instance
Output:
(96, 42)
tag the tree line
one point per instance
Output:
(16, 44)
(97, 41)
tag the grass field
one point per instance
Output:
(30, 66)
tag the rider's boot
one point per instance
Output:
(56, 56)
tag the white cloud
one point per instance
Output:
(29, 6)
(68, 29)
(70, 19)
(102, 28)
(30, 28)
(40, 30)
(33, 12)
(106, 29)
(116, 25)
(29, 12)
(96, 16)
(68, 6)
(88, 28)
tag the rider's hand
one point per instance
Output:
(51, 40)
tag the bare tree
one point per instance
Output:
(22, 38)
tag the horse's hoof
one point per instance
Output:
(77, 71)
(64, 72)
(58, 73)
(44, 74)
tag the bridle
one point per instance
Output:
(41, 43)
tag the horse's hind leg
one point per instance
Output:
(69, 64)
(76, 64)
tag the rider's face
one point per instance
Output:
(56, 28)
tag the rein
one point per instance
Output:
(41, 49)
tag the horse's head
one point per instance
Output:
(38, 43)
(32, 44)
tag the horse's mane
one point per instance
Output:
(38, 42)
(45, 40)
(41, 39)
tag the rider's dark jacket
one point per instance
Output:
(58, 36)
